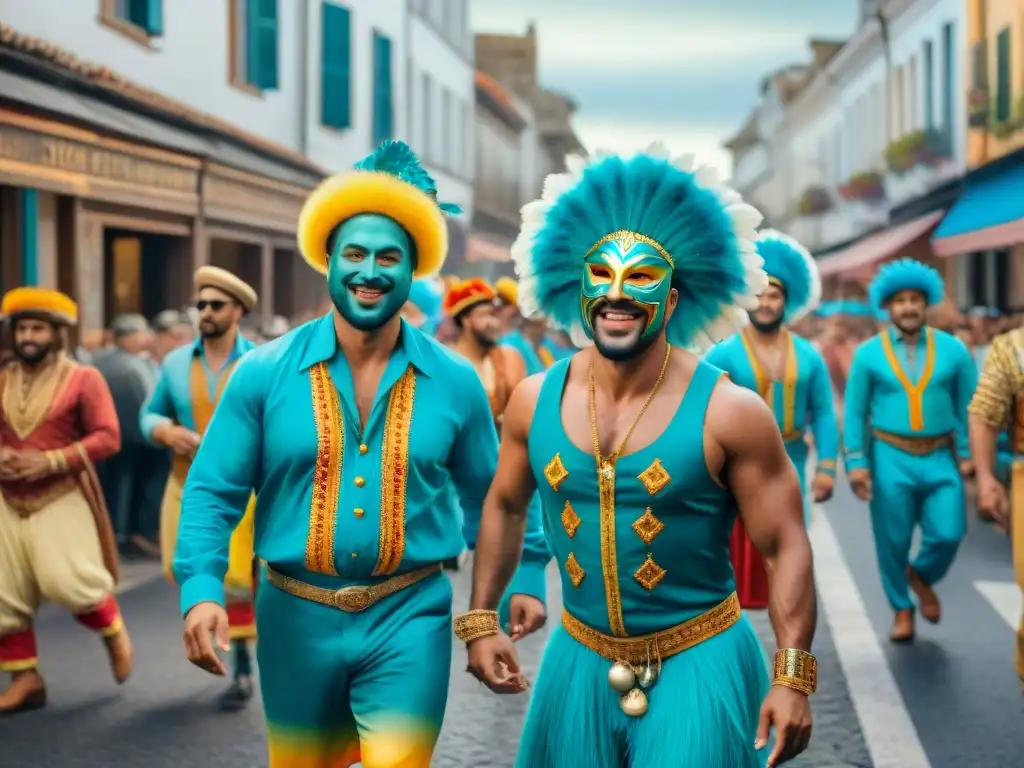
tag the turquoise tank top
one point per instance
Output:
(656, 553)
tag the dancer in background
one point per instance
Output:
(790, 374)
(192, 380)
(905, 439)
(57, 420)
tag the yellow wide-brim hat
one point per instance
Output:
(508, 290)
(42, 302)
(222, 280)
(354, 193)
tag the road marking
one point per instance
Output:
(1005, 599)
(888, 730)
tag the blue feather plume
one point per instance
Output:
(905, 275)
(793, 266)
(397, 159)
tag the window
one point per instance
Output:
(428, 117)
(335, 66)
(383, 108)
(979, 65)
(447, 132)
(947, 80)
(1004, 82)
(137, 19)
(253, 29)
(928, 85)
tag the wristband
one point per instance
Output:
(472, 625)
(796, 669)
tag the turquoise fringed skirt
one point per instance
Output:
(702, 713)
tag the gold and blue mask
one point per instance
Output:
(627, 267)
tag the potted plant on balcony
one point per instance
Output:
(914, 149)
(977, 108)
(867, 186)
(814, 201)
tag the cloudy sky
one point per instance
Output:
(682, 71)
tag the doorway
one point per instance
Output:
(145, 273)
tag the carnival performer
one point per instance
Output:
(525, 335)
(423, 309)
(371, 447)
(791, 376)
(999, 402)
(57, 419)
(654, 663)
(177, 415)
(905, 426)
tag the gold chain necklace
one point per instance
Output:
(606, 464)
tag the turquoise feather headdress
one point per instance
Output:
(905, 275)
(705, 227)
(397, 159)
(792, 266)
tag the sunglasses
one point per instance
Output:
(216, 304)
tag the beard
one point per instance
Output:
(209, 329)
(32, 354)
(909, 323)
(764, 326)
(485, 339)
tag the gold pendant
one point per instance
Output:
(634, 703)
(608, 471)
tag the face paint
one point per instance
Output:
(627, 271)
(370, 271)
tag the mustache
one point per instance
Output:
(375, 283)
(621, 305)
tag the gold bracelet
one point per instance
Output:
(55, 460)
(796, 669)
(472, 625)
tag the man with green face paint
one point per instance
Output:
(371, 448)
(643, 455)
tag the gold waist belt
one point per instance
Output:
(660, 645)
(350, 599)
(916, 446)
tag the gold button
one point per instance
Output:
(358, 512)
(364, 448)
(355, 555)
(360, 482)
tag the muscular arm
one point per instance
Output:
(504, 517)
(991, 404)
(765, 485)
(101, 432)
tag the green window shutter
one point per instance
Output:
(148, 14)
(382, 102)
(335, 66)
(929, 85)
(1004, 82)
(261, 44)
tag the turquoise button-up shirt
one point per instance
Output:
(802, 400)
(921, 395)
(171, 399)
(336, 502)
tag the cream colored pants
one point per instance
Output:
(53, 555)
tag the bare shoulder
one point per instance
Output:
(521, 405)
(738, 419)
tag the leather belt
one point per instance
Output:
(667, 642)
(915, 446)
(350, 599)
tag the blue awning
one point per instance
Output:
(989, 214)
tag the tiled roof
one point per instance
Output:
(104, 77)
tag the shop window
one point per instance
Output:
(383, 106)
(335, 66)
(254, 45)
(1004, 77)
(137, 19)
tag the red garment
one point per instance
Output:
(751, 573)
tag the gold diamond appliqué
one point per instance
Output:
(570, 520)
(654, 477)
(647, 526)
(575, 570)
(555, 472)
(649, 574)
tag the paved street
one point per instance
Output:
(951, 699)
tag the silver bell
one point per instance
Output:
(648, 677)
(634, 703)
(621, 678)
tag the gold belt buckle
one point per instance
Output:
(353, 599)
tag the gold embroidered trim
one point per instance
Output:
(26, 406)
(915, 391)
(28, 504)
(330, 451)
(649, 574)
(655, 477)
(394, 474)
(570, 520)
(609, 558)
(575, 570)
(668, 642)
(647, 526)
(555, 472)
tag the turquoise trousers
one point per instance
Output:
(343, 687)
(910, 491)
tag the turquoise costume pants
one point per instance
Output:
(343, 687)
(909, 491)
(703, 709)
